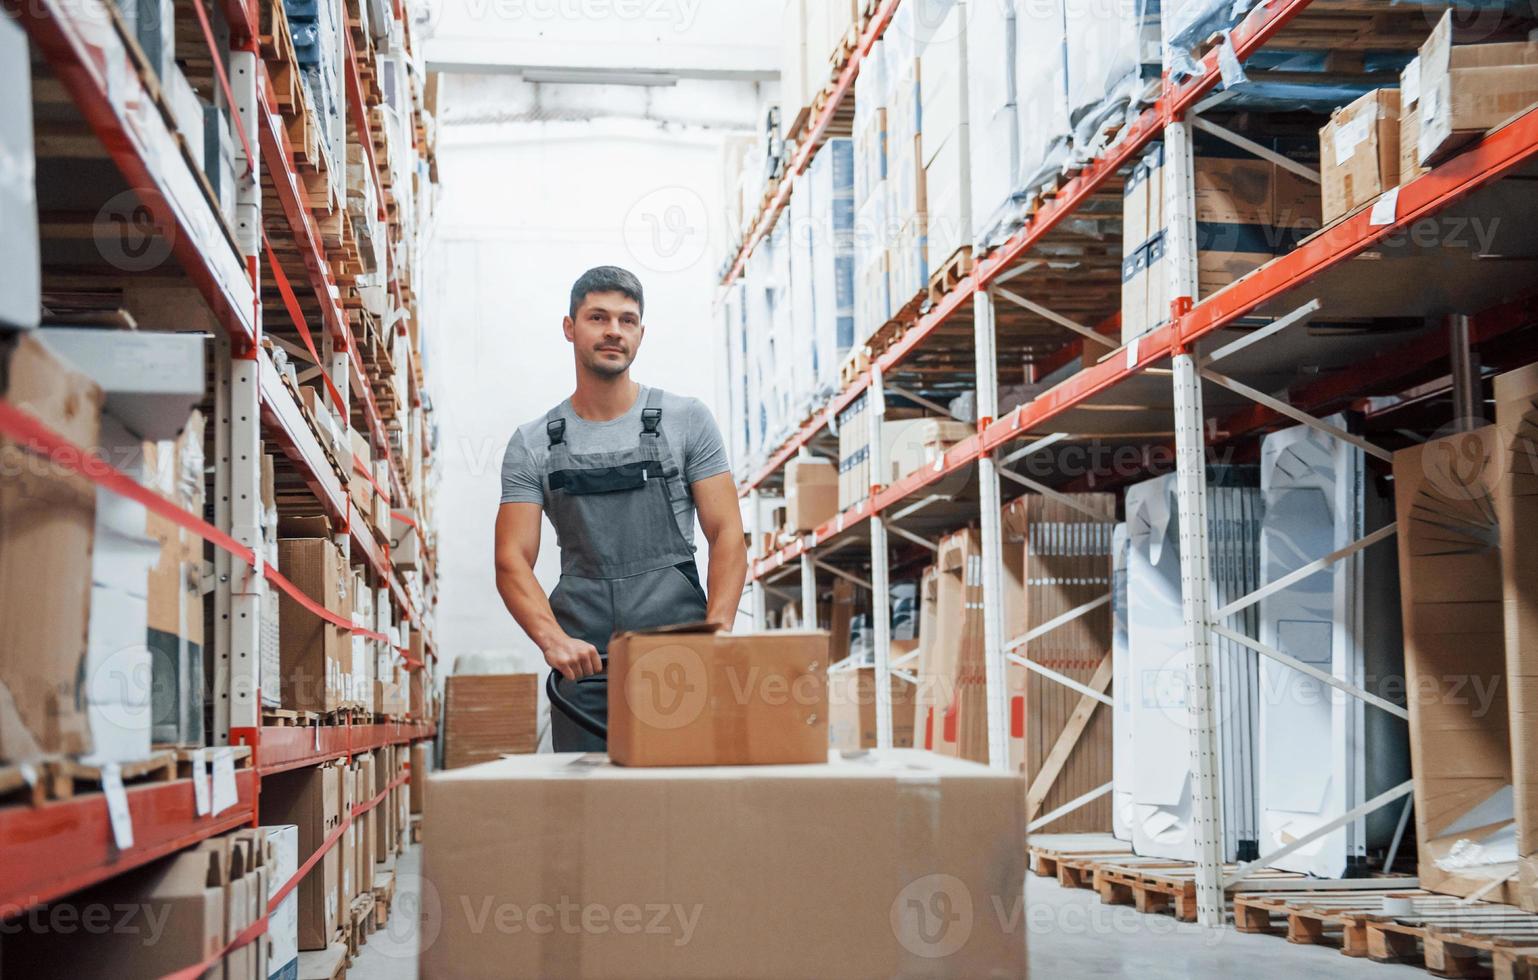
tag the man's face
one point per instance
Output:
(606, 333)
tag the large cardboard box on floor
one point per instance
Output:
(486, 716)
(1445, 492)
(689, 696)
(1466, 89)
(745, 872)
(852, 710)
(47, 518)
(315, 653)
(1516, 415)
(1359, 152)
(311, 799)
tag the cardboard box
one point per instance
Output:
(283, 922)
(153, 381)
(950, 694)
(179, 901)
(852, 710)
(405, 539)
(1359, 152)
(486, 716)
(689, 696)
(932, 835)
(811, 494)
(175, 591)
(1410, 121)
(311, 799)
(47, 520)
(1516, 394)
(1455, 662)
(419, 770)
(358, 485)
(1466, 89)
(315, 653)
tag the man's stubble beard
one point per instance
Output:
(607, 369)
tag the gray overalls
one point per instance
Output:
(624, 563)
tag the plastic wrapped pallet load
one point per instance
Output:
(20, 300)
(1041, 92)
(993, 117)
(830, 180)
(1322, 753)
(1162, 824)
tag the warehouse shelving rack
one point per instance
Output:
(54, 848)
(1150, 392)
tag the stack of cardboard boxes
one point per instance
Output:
(1448, 96)
(908, 444)
(1248, 210)
(164, 918)
(316, 653)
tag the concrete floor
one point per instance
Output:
(1070, 935)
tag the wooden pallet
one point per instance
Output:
(950, 273)
(24, 784)
(360, 922)
(286, 718)
(66, 777)
(324, 964)
(1047, 851)
(184, 759)
(855, 363)
(1439, 933)
(416, 828)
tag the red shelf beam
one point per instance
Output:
(65, 845)
(280, 749)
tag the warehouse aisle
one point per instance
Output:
(1071, 934)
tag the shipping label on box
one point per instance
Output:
(688, 696)
(1359, 152)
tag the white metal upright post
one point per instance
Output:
(755, 552)
(237, 511)
(808, 591)
(880, 588)
(1191, 482)
(995, 672)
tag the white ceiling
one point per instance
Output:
(615, 41)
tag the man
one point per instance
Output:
(621, 469)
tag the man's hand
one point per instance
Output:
(573, 658)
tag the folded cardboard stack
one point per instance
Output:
(489, 715)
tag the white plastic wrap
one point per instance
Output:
(994, 115)
(831, 180)
(1318, 748)
(20, 299)
(1041, 89)
(803, 231)
(1186, 23)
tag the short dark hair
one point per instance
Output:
(606, 279)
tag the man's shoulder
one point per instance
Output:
(530, 436)
(685, 405)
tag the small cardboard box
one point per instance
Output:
(877, 864)
(811, 494)
(1465, 89)
(1359, 152)
(283, 922)
(47, 523)
(315, 653)
(311, 799)
(689, 696)
(852, 710)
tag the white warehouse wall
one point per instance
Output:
(526, 208)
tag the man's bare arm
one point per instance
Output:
(517, 547)
(715, 499)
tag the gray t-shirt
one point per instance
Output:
(687, 425)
